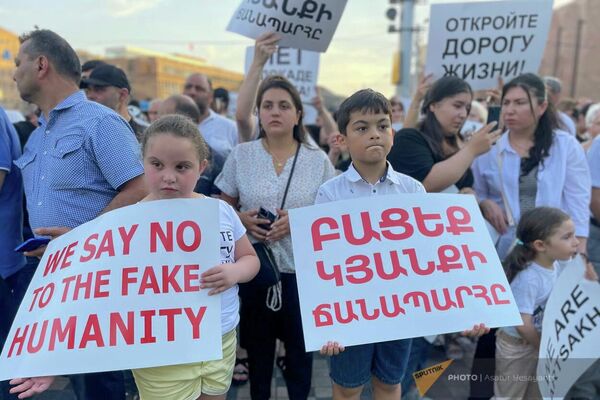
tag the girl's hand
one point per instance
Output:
(264, 47)
(219, 278)
(280, 228)
(27, 387)
(251, 223)
(425, 83)
(494, 215)
(467, 190)
(477, 331)
(331, 349)
(482, 141)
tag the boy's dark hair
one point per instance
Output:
(365, 100)
(43, 42)
(537, 224)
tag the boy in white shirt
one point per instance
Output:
(365, 123)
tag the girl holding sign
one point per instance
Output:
(545, 235)
(175, 155)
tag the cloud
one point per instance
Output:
(125, 8)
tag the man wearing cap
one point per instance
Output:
(109, 86)
(219, 132)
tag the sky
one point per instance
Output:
(360, 54)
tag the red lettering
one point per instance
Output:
(401, 221)
(149, 281)
(421, 219)
(336, 274)
(35, 297)
(166, 239)
(350, 313)
(53, 261)
(448, 255)
(458, 224)
(66, 286)
(86, 285)
(106, 246)
(126, 279)
(495, 287)
(70, 251)
(168, 279)
(360, 268)
(317, 237)
(414, 263)
(170, 313)
(394, 312)
(57, 332)
(126, 330)
(148, 337)
(100, 282)
(191, 275)
(196, 239)
(19, 340)
(470, 255)
(448, 303)
(397, 269)
(126, 237)
(322, 317)
(89, 247)
(195, 320)
(34, 348)
(368, 232)
(362, 303)
(92, 332)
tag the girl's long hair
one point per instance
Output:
(431, 129)
(537, 224)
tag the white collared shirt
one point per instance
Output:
(350, 185)
(563, 179)
(219, 132)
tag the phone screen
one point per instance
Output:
(494, 114)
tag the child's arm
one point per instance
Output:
(528, 331)
(331, 349)
(590, 272)
(477, 331)
(27, 387)
(224, 276)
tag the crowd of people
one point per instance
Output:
(86, 149)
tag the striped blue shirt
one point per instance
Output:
(74, 163)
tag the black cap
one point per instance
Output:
(107, 75)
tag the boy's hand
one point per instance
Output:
(27, 387)
(280, 228)
(331, 349)
(219, 278)
(477, 331)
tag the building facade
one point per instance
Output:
(572, 49)
(9, 47)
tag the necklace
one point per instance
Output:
(278, 163)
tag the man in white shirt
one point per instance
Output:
(554, 90)
(219, 132)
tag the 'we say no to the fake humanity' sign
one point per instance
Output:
(399, 267)
(120, 292)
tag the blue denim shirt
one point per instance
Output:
(11, 200)
(74, 163)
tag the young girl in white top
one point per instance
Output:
(545, 235)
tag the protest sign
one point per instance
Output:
(570, 331)
(300, 67)
(120, 292)
(303, 24)
(483, 41)
(399, 267)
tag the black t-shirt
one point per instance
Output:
(411, 155)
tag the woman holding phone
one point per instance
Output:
(255, 176)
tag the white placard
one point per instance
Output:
(303, 24)
(120, 292)
(373, 270)
(570, 331)
(301, 67)
(482, 41)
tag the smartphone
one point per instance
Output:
(494, 114)
(32, 244)
(266, 214)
